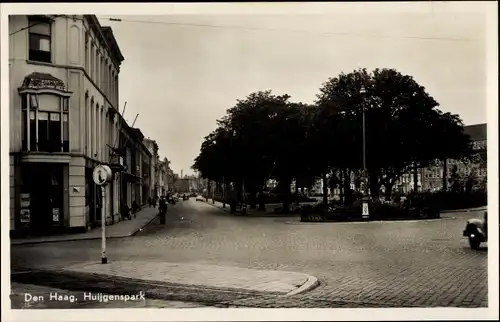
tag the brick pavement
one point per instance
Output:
(211, 276)
(361, 264)
(124, 228)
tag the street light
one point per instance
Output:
(366, 198)
(223, 192)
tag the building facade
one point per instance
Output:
(152, 147)
(161, 176)
(135, 179)
(63, 75)
(433, 176)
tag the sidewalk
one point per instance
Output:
(466, 210)
(162, 277)
(77, 300)
(123, 228)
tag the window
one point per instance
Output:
(32, 144)
(24, 122)
(86, 52)
(101, 74)
(108, 87)
(43, 131)
(116, 91)
(40, 40)
(92, 60)
(65, 133)
(47, 132)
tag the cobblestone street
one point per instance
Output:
(419, 263)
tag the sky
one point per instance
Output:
(181, 75)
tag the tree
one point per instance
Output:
(404, 129)
(249, 142)
(456, 180)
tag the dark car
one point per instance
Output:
(476, 230)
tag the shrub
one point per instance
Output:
(448, 200)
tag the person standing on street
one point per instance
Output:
(163, 209)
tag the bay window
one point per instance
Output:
(45, 123)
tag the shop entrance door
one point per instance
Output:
(44, 182)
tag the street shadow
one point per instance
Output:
(480, 250)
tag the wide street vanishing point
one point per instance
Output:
(373, 194)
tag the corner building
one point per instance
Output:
(63, 91)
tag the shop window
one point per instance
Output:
(40, 34)
(32, 138)
(43, 131)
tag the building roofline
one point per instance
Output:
(111, 43)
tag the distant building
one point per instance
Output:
(181, 185)
(152, 147)
(433, 176)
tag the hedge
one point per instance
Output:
(271, 199)
(447, 200)
(377, 211)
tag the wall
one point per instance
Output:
(77, 192)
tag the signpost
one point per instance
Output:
(102, 175)
(366, 213)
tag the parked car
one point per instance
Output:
(476, 230)
(199, 198)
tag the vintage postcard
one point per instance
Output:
(249, 161)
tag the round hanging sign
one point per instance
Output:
(102, 174)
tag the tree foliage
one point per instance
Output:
(267, 136)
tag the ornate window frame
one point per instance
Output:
(34, 86)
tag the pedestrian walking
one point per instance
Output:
(135, 208)
(125, 211)
(163, 209)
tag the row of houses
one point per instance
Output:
(431, 178)
(64, 121)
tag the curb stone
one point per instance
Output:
(86, 238)
(465, 210)
(298, 222)
(311, 283)
(93, 282)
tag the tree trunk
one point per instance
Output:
(415, 177)
(341, 186)
(325, 188)
(297, 192)
(253, 200)
(262, 205)
(347, 187)
(374, 185)
(388, 190)
(285, 188)
(445, 174)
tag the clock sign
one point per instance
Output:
(102, 174)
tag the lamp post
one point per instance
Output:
(223, 192)
(366, 197)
